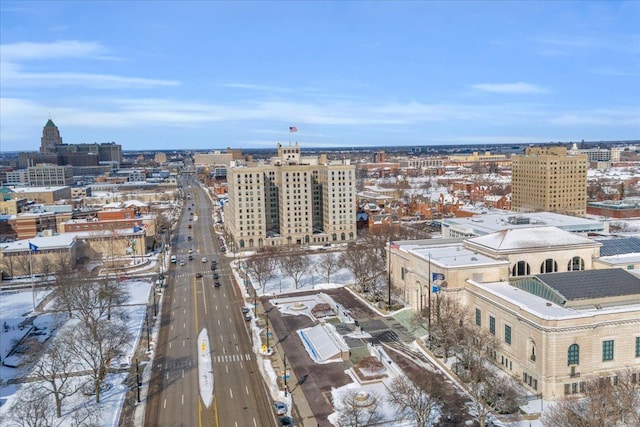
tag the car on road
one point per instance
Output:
(217, 284)
(189, 224)
(198, 275)
(182, 262)
(286, 421)
(189, 238)
(280, 407)
(246, 310)
(204, 259)
(216, 276)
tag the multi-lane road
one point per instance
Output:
(191, 304)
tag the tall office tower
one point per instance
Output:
(50, 138)
(293, 200)
(549, 179)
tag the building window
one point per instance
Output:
(576, 264)
(522, 268)
(479, 321)
(549, 266)
(607, 350)
(573, 355)
(507, 334)
(492, 325)
(637, 346)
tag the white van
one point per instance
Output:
(174, 259)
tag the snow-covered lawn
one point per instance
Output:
(16, 307)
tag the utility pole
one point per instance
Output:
(285, 374)
(146, 320)
(267, 317)
(138, 379)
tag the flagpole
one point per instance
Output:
(33, 290)
(429, 302)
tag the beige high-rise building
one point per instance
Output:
(293, 200)
(549, 179)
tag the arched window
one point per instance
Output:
(250, 243)
(549, 266)
(342, 236)
(532, 355)
(334, 236)
(573, 355)
(521, 268)
(575, 264)
(242, 243)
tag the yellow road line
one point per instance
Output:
(195, 311)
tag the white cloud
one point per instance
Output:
(509, 88)
(12, 75)
(59, 49)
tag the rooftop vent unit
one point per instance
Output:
(519, 220)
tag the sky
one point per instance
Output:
(217, 74)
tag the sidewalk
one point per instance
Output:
(301, 411)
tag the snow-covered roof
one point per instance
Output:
(37, 189)
(496, 220)
(135, 203)
(448, 254)
(58, 241)
(542, 308)
(530, 238)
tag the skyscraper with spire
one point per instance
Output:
(50, 138)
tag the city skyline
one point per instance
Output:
(162, 75)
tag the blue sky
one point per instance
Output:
(207, 74)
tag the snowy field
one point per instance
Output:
(16, 307)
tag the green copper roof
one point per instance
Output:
(50, 123)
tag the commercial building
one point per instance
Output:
(549, 179)
(50, 175)
(294, 200)
(46, 195)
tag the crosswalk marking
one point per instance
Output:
(227, 358)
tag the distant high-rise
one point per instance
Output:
(549, 179)
(50, 138)
(292, 201)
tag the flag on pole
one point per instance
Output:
(394, 245)
(437, 276)
(293, 129)
(33, 247)
(435, 289)
(136, 228)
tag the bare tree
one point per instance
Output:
(359, 408)
(33, 408)
(54, 367)
(8, 264)
(606, 401)
(95, 345)
(448, 320)
(362, 261)
(329, 263)
(262, 267)
(295, 264)
(419, 402)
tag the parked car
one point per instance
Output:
(204, 259)
(280, 407)
(286, 421)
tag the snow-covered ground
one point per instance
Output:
(16, 307)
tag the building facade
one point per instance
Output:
(50, 139)
(50, 175)
(563, 316)
(292, 201)
(549, 179)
